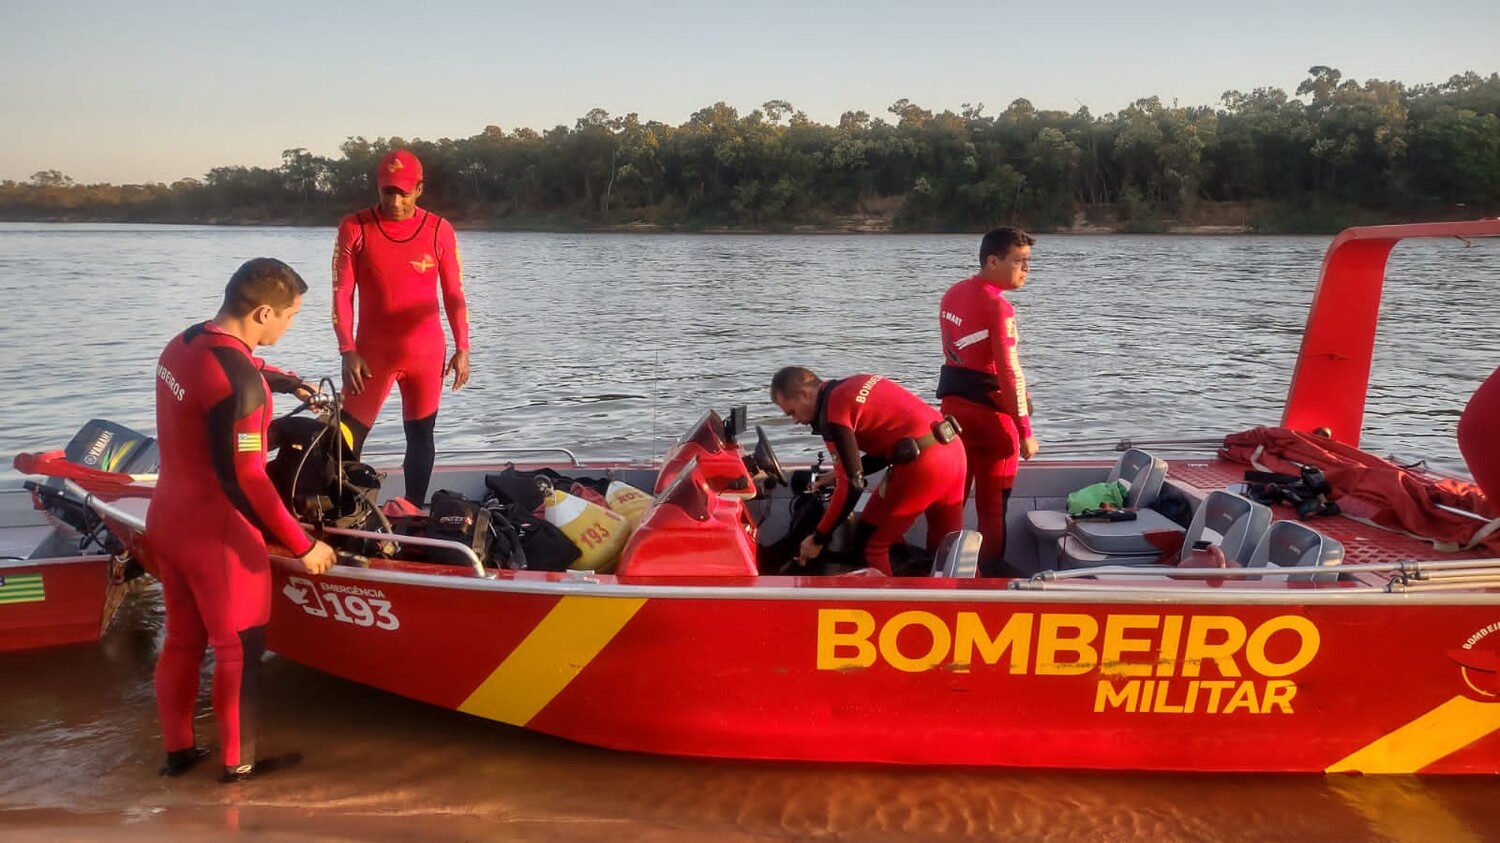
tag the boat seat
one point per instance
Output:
(1232, 522)
(1142, 474)
(958, 555)
(1290, 544)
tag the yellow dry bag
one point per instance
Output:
(598, 532)
(628, 501)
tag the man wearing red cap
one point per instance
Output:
(398, 257)
(982, 385)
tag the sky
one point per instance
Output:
(134, 92)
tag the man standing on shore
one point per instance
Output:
(982, 385)
(213, 508)
(398, 256)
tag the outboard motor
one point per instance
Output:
(110, 446)
(106, 446)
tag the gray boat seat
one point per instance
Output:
(1289, 544)
(958, 555)
(1142, 474)
(1048, 526)
(1232, 522)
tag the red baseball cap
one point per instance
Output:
(399, 168)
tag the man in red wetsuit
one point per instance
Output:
(213, 509)
(397, 256)
(982, 385)
(868, 423)
(1479, 437)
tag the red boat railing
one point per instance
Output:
(1333, 367)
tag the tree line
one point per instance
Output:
(1336, 152)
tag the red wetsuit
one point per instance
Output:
(983, 387)
(207, 525)
(867, 414)
(397, 267)
(1479, 437)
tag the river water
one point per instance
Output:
(611, 345)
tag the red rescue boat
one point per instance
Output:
(47, 602)
(59, 584)
(1351, 641)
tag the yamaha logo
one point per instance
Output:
(97, 449)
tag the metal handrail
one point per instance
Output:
(1467, 575)
(422, 541)
(103, 508)
(1087, 581)
(1091, 446)
(486, 452)
(111, 511)
(1400, 585)
(1413, 568)
(1183, 586)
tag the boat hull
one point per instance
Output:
(49, 602)
(936, 674)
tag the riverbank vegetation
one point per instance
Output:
(1338, 152)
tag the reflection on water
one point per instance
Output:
(79, 746)
(611, 344)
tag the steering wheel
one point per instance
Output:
(765, 458)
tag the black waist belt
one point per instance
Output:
(943, 431)
(967, 383)
(927, 441)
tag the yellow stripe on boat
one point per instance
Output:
(1435, 735)
(543, 664)
(22, 588)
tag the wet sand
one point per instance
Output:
(79, 750)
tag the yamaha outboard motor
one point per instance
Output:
(106, 446)
(110, 446)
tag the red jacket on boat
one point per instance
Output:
(1370, 488)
